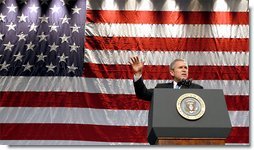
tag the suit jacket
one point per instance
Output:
(146, 94)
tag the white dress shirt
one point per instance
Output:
(136, 78)
(176, 86)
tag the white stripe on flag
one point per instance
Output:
(169, 5)
(167, 30)
(92, 116)
(165, 58)
(239, 118)
(73, 116)
(107, 86)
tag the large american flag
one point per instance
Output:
(60, 88)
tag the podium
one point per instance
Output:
(207, 123)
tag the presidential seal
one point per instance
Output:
(190, 106)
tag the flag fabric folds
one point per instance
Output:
(65, 77)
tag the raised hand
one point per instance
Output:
(137, 65)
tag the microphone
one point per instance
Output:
(185, 82)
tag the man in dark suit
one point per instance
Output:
(178, 70)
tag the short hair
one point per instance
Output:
(172, 65)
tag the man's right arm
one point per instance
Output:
(141, 91)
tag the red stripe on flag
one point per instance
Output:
(166, 17)
(72, 99)
(93, 133)
(162, 72)
(94, 100)
(167, 44)
(238, 135)
(82, 132)
(237, 102)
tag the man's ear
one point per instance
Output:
(171, 72)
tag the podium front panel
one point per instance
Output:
(165, 121)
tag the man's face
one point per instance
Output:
(180, 71)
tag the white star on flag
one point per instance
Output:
(74, 28)
(27, 67)
(2, 17)
(42, 37)
(34, 8)
(72, 68)
(65, 19)
(33, 27)
(8, 46)
(44, 18)
(62, 58)
(50, 67)
(76, 10)
(53, 27)
(12, 8)
(55, 9)
(30, 46)
(18, 57)
(22, 18)
(53, 47)
(4, 66)
(64, 38)
(22, 36)
(41, 57)
(11, 26)
(74, 47)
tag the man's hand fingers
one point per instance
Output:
(132, 60)
(136, 59)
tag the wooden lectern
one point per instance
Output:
(166, 125)
(189, 141)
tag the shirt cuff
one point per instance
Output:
(136, 78)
